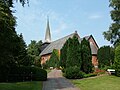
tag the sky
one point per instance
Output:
(87, 17)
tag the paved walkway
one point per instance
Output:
(57, 82)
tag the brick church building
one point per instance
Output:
(48, 46)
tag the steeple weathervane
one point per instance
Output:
(48, 34)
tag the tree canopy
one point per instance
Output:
(10, 2)
(33, 51)
(12, 46)
(113, 34)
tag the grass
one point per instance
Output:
(99, 83)
(34, 85)
(48, 70)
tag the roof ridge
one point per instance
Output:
(63, 37)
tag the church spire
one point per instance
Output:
(48, 34)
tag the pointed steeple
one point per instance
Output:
(48, 34)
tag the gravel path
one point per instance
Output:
(57, 82)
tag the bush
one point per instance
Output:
(25, 73)
(39, 74)
(73, 73)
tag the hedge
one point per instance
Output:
(73, 73)
(25, 73)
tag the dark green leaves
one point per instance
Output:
(113, 34)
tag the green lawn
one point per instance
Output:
(34, 85)
(48, 70)
(99, 83)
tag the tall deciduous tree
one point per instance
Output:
(33, 51)
(7, 37)
(34, 48)
(10, 2)
(86, 56)
(12, 46)
(113, 34)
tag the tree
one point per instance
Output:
(86, 56)
(33, 51)
(34, 47)
(117, 61)
(113, 34)
(12, 46)
(63, 55)
(54, 59)
(10, 2)
(105, 56)
(22, 56)
(73, 53)
(8, 37)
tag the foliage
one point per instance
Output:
(31, 85)
(86, 56)
(63, 55)
(33, 50)
(12, 46)
(20, 55)
(73, 53)
(76, 56)
(54, 59)
(73, 73)
(113, 34)
(105, 82)
(10, 2)
(38, 61)
(34, 47)
(105, 56)
(117, 61)
(25, 73)
(39, 74)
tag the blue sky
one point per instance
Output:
(65, 16)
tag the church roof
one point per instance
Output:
(58, 44)
(93, 49)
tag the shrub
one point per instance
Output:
(99, 72)
(73, 73)
(25, 73)
(39, 74)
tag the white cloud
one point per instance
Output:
(62, 26)
(95, 16)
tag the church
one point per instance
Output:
(48, 46)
